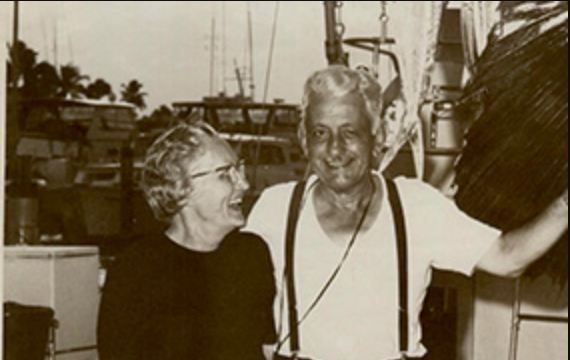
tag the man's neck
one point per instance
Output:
(352, 200)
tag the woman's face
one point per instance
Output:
(339, 141)
(218, 187)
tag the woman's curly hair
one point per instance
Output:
(164, 177)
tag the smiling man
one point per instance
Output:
(353, 275)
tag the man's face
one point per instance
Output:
(339, 141)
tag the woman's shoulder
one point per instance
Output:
(142, 253)
(248, 241)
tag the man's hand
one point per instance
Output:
(268, 351)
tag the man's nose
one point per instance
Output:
(335, 145)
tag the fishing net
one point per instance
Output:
(515, 159)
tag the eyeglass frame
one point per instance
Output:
(238, 167)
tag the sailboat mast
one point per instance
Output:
(250, 46)
(55, 39)
(239, 80)
(333, 43)
(12, 135)
(15, 40)
(224, 47)
(212, 56)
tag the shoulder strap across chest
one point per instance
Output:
(401, 235)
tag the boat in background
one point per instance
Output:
(240, 114)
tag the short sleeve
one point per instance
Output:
(268, 218)
(267, 297)
(453, 240)
(121, 312)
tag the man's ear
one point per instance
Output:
(302, 137)
(378, 147)
(378, 150)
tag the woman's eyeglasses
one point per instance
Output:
(227, 170)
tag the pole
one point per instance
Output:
(127, 186)
(15, 40)
(333, 42)
(55, 39)
(13, 104)
(250, 41)
(239, 80)
(224, 65)
(212, 59)
(15, 46)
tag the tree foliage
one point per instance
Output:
(100, 89)
(71, 82)
(132, 93)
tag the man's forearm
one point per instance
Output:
(517, 249)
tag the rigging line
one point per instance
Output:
(381, 37)
(70, 45)
(224, 54)
(245, 51)
(59, 28)
(43, 27)
(212, 54)
(250, 51)
(55, 38)
(55, 51)
(383, 40)
(265, 91)
(68, 34)
(213, 62)
(271, 51)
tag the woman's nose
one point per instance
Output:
(241, 181)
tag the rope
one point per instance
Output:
(271, 51)
(266, 87)
(382, 38)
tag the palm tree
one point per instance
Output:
(99, 89)
(71, 82)
(26, 59)
(42, 80)
(32, 80)
(45, 82)
(132, 93)
(18, 84)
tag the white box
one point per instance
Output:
(64, 279)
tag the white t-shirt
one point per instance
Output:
(358, 316)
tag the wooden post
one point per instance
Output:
(127, 189)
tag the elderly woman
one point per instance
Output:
(359, 262)
(201, 291)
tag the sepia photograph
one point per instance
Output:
(284, 180)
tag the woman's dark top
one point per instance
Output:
(164, 302)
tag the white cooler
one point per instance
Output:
(65, 279)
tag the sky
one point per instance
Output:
(166, 44)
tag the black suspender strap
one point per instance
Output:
(398, 214)
(294, 208)
(402, 244)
